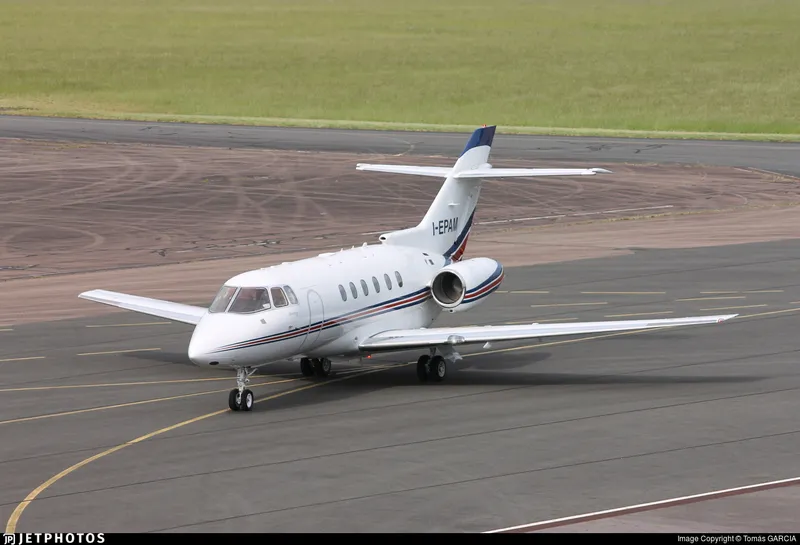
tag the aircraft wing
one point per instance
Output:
(176, 312)
(399, 339)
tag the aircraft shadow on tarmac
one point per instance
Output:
(487, 371)
(405, 377)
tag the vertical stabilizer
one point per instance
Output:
(446, 226)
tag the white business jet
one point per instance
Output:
(375, 298)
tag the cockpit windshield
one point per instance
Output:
(222, 299)
(250, 300)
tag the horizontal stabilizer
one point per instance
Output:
(436, 172)
(482, 172)
(526, 172)
(400, 339)
(177, 312)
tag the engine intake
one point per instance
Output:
(462, 285)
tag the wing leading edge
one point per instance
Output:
(400, 339)
(177, 312)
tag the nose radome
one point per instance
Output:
(199, 349)
(196, 352)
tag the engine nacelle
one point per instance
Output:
(465, 284)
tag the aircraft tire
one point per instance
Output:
(248, 400)
(234, 406)
(306, 368)
(422, 368)
(322, 367)
(438, 368)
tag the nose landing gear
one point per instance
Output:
(240, 398)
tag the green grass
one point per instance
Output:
(727, 67)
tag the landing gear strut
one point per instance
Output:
(317, 366)
(240, 398)
(433, 367)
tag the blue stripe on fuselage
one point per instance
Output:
(377, 309)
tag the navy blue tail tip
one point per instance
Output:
(481, 137)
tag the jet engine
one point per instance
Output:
(465, 284)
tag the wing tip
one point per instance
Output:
(92, 293)
(601, 171)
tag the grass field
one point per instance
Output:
(692, 66)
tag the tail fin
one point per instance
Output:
(446, 226)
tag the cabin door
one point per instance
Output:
(315, 319)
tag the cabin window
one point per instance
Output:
(353, 290)
(250, 300)
(376, 284)
(344, 293)
(290, 294)
(399, 279)
(278, 297)
(388, 282)
(222, 299)
(364, 287)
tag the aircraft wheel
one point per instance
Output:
(438, 368)
(247, 400)
(322, 367)
(422, 368)
(234, 401)
(306, 368)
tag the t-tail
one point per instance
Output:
(447, 224)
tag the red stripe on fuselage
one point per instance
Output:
(488, 287)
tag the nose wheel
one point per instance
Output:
(241, 398)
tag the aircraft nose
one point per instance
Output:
(199, 350)
(197, 353)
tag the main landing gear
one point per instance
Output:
(431, 367)
(316, 366)
(240, 398)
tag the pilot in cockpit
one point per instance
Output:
(251, 300)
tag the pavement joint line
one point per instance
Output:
(624, 292)
(640, 314)
(733, 308)
(661, 504)
(116, 384)
(22, 359)
(131, 404)
(109, 352)
(570, 304)
(127, 325)
(712, 298)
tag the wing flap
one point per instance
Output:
(414, 338)
(177, 312)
